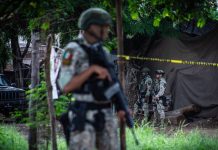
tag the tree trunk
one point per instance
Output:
(34, 82)
(49, 94)
(132, 78)
(121, 67)
(17, 60)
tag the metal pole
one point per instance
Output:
(121, 65)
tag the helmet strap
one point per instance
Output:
(99, 39)
(101, 33)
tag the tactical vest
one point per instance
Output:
(94, 86)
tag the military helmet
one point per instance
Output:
(145, 69)
(160, 72)
(94, 16)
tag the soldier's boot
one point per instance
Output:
(135, 111)
(156, 119)
(145, 118)
(162, 114)
(162, 124)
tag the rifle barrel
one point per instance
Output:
(134, 136)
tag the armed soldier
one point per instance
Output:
(158, 98)
(94, 125)
(141, 106)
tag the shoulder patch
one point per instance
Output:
(67, 57)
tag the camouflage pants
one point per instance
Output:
(141, 107)
(158, 109)
(89, 139)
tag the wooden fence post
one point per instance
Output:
(49, 94)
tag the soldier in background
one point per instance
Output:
(158, 98)
(141, 105)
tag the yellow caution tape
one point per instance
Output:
(175, 61)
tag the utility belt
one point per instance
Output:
(164, 100)
(76, 118)
(90, 105)
(78, 113)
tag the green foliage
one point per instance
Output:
(111, 44)
(140, 17)
(39, 96)
(33, 23)
(214, 15)
(10, 139)
(61, 104)
(45, 26)
(156, 22)
(147, 16)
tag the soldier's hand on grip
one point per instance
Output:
(121, 115)
(102, 73)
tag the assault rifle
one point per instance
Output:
(106, 90)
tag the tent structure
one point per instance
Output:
(190, 84)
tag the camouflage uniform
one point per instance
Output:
(141, 105)
(75, 61)
(159, 86)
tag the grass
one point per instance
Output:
(150, 139)
(61, 144)
(10, 139)
(179, 140)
